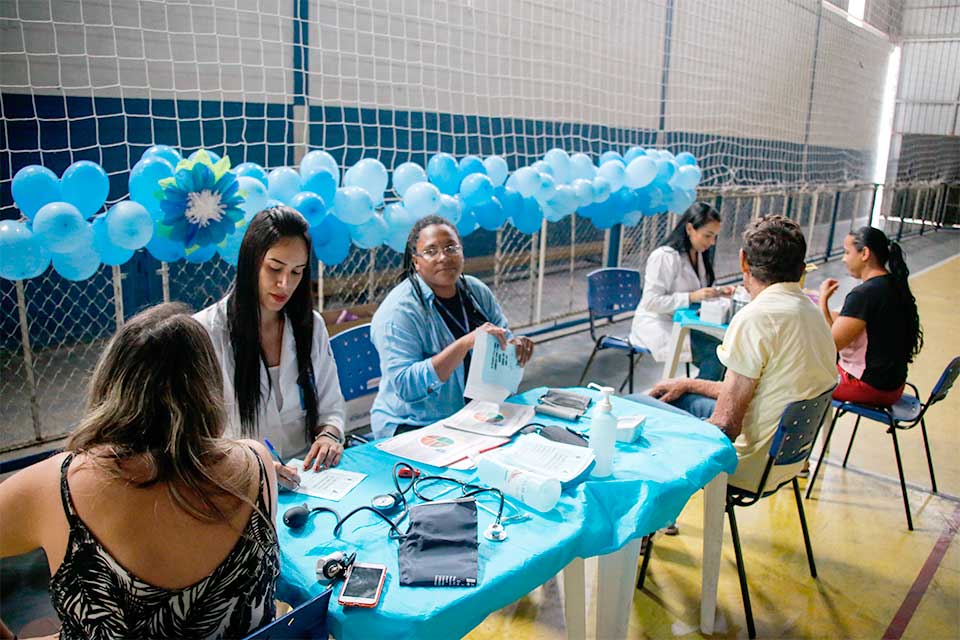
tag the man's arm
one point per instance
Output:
(736, 392)
(672, 388)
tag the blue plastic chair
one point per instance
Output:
(358, 363)
(609, 292)
(306, 622)
(905, 414)
(792, 443)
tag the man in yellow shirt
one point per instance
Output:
(777, 350)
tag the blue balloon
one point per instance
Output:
(33, 187)
(371, 176)
(686, 158)
(451, 208)
(470, 165)
(164, 152)
(584, 191)
(77, 265)
(510, 199)
(649, 199)
(551, 214)
(61, 228)
(201, 254)
(422, 199)
(317, 161)
(22, 255)
(682, 199)
(564, 201)
(110, 254)
(397, 239)
(272, 202)
(331, 240)
(442, 171)
(214, 159)
(490, 214)
(85, 185)
(546, 189)
(526, 181)
(476, 189)
(614, 173)
(323, 184)
(165, 249)
(665, 169)
(284, 183)
(467, 224)
(254, 195)
(633, 153)
(542, 167)
(371, 233)
(529, 218)
(311, 206)
(229, 249)
(143, 183)
(559, 161)
(407, 174)
(252, 170)
(687, 177)
(640, 172)
(129, 225)
(581, 166)
(601, 189)
(611, 156)
(497, 169)
(352, 205)
(398, 217)
(632, 218)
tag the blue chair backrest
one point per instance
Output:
(358, 363)
(945, 382)
(798, 428)
(307, 622)
(612, 291)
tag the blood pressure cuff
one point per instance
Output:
(440, 547)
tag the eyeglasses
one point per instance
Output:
(432, 253)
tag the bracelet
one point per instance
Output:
(329, 434)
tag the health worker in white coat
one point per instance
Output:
(679, 273)
(279, 376)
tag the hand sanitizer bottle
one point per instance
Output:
(603, 433)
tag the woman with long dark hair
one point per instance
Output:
(679, 273)
(153, 524)
(279, 377)
(877, 332)
(426, 328)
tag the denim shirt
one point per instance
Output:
(407, 334)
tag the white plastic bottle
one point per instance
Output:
(534, 490)
(603, 433)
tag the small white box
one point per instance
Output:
(716, 310)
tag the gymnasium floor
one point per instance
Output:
(876, 578)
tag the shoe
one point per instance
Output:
(805, 472)
(672, 530)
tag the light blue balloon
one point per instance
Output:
(559, 161)
(33, 187)
(352, 205)
(451, 208)
(407, 174)
(442, 171)
(77, 265)
(143, 183)
(164, 249)
(371, 234)
(530, 218)
(371, 176)
(527, 181)
(490, 214)
(397, 239)
(640, 172)
(61, 228)
(422, 199)
(129, 225)
(470, 165)
(546, 189)
(331, 240)
(687, 177)
(467, 224)
(564, 200)
(632, 153)
(665, 169)
(686, 158)
(543, 167)
(398, 217)
(255, 196)
(311, 206)
(497, 169)
(323, 184)
(85, 185)
(551, 214)
(165, 152)
(614, 173)
(272, 203)
(229, 249)
(284, 183)
(601, 189)
(611, 156)
(201, 254)
(22, 255)
(510, 199)
(582, 167)
(476, 189)
(632, 218)
(682, 199)
(110, 254)
(214, 159)
(317, 161)
(252, 170)
(583, 190)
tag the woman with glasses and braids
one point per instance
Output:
(426, 328)
(877, 332)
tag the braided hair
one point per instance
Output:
(409, 269)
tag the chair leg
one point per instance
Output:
(593, 354)
(803, 525)
(630, 373)
(926, 445)
(903, 483)
(741, 572)
(647, 552)
(823, 452)
(850, 446)
(688, 369)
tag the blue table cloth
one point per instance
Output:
(652, 481)
(690, 317)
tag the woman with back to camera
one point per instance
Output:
(877, 332)
(279, 377)
(153, 524)
(426, 328)
(679, 273)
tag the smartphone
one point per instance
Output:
(363, 585)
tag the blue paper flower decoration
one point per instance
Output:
(201, 203)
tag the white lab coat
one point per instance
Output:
(668, 280)
(284, 427)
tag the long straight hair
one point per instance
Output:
(157, 391)
(243, 317)
(889, 256)
(699, 214)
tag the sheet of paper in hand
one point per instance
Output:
(494, 371)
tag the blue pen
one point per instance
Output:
(274, 452)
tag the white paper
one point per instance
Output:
(546, 457)
(494, 372)
(438, 445)
(329, 484)
(491, 418)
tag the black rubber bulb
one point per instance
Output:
(296, 517)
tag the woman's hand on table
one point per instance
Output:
(669, 390)
(703, 294)
(325, 452)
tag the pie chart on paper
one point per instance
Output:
(436, 442)
(488, 416)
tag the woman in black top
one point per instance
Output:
(877, 332)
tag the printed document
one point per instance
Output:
(438, 445)
(329, 484)
(535, 453)
(494, 371)
(491, 418)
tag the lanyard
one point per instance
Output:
(465, 325)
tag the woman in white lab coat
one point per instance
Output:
(679, 273)
(279, 377)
